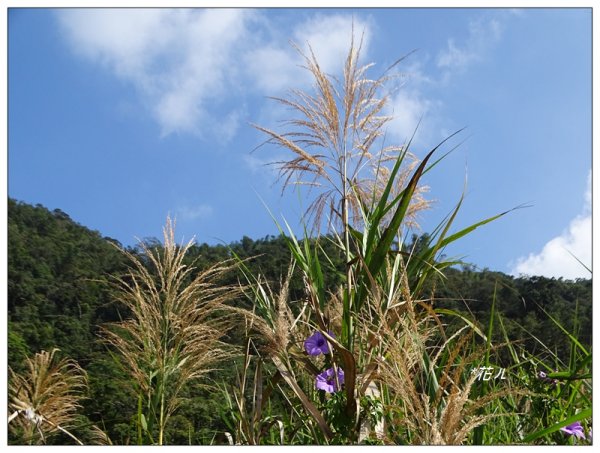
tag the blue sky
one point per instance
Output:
(120, 117)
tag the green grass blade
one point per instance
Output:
(511, 348)
(471, 324)
(473, 227)
(390, 232)
(565, 331)
(488, 344)
(572, 419)
(308, 405)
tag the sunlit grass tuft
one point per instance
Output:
(173, 334)
(45, 397)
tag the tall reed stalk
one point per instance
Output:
(174, 330)
(371, 193)
(336, 141)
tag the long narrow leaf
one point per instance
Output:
(565, 331)
(572, 419)
(308, 405)
(473, 227)
(471, 324)
(349, 373)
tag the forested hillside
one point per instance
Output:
(57, 298)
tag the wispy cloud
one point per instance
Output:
(414, 102)
(556, 259)
(272, 67)
(484, 32)
(178, 60)
(187, 65)
(408, 107)
(194, 212)
(411, 106)
(329, 37)
(195, 69)
(264, 164)
(275, 64)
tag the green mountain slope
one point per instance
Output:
(56, 298)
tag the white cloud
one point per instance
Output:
(230, 124)
(411, 104)
(180, 61)
(186, 64)
(124, 40)
(275, 65)
(273, 68)
(555, 259)
(201, 211)
(329, 37)
(484, 32)
(407, 108)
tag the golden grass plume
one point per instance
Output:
(174, 332)
(44, 398)
(336, 138)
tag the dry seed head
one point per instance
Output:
(275, 331)
(178, 317)
(332, 137)
(334, 310)
(452, 415)
(49, 389)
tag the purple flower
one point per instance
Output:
(326, 380)
(317, 344)
(542, 376)
(574, 429)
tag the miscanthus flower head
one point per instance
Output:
(574, 429)
(326, 380)
(317, 344)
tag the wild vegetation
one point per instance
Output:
(358, 332)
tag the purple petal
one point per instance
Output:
(574, 429)
(316, 344)
(326, 380)
(340, 375)
(310, 345)
(322, 384)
